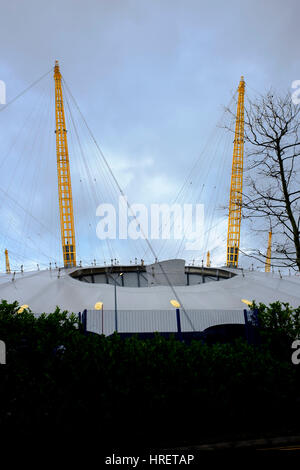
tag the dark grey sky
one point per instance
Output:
(150, 76)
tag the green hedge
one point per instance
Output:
(154, 392)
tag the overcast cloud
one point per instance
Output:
(152, 78)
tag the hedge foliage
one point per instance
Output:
(59, 381)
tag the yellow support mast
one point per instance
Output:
(7, 262)
(64, 177)
(236, 187)
(208, 259)
(268, 257)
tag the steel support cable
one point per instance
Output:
(183, 239)
(19, 133)
(102, 170)
(192, 171)
(33, 273)
(85, 201)
(219, 179)
(25, 210)
(17, 242)
(18, 167)
(133, 215)
(45, 173)
(86, 198)
(36, 151)
(214, 130)
(97, 196)
(86, 167)
(36, 161)
(110, 182)
(14, 262)
(25, 90)
(50, 171)
(182, 192)
(205, 178)
(199, 195)
(31, 244)
(209, 168)
(224, 187)
(110, 186)
(135, 247)
(20, 240)
(2, 109)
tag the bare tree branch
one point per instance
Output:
(271, 189)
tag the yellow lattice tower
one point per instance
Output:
(208, 259)
(268, 257)
(236, 187)
(64, 177)
(7, 262)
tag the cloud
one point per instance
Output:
(151, 79)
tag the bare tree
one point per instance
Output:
(271, 195)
